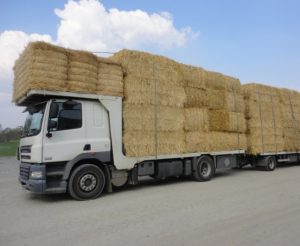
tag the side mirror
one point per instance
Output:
(51, 124)
(53, 110)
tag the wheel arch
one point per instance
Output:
(99, 160)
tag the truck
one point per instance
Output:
(74, 144)
(94, 124)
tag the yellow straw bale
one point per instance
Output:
(142, 143)
(196, 119)
(226, 141)
(196, 97)
(141, 117)
(218, 81)
(193, 77)
(224, 121)
(216, 99)
(197, 141)
(147, 66)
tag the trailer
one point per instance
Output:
(72, 142)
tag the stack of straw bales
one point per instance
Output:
(154, 98)
(263, 111)
(47, 67)
(273, 118)
(40, 66)
(171, 108)
(168, 107)
(290, 119)
(214, 110)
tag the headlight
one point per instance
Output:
(36, 174)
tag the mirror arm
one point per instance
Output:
(49, 134)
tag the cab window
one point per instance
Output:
(68, 116)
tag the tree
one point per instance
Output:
(9, 134)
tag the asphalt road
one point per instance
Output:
(237, 207)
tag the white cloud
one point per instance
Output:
(88, 25)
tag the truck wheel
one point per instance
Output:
(86, 182)
(270, 162)
(204, 170)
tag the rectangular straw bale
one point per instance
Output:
(82, 72)
(216, 99)
(142, 143)
(218, 81)
(110, 79)
(196, 97)
(224, 121)
(40, 66)
(142, 117)
(226, 141)
(197, 141)
(193, 77)
(290, 97)
(292, 139)
(196, 119)
(148, 66)
(235, 102)
(267, 119)
(143, 92)
(252, 89)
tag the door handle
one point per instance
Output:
(87, 147)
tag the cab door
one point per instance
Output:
(65, 137)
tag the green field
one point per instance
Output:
(9, 148)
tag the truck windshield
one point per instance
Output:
(34, 119)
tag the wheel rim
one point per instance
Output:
(87, 182)
(205, 169)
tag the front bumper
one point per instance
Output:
(41, 185)
(36, 186)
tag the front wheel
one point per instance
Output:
(205, 169)
(86, 182)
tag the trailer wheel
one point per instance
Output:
(86, 182)
(204, 169)
(270, 163)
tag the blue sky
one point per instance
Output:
(256, 41)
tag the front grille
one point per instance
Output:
(24, 172)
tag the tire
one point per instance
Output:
(270, 163)
(204, 169)
(86, 182)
